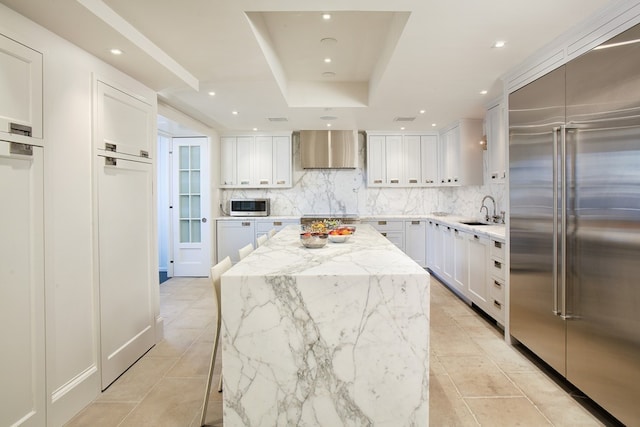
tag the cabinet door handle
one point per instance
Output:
(494, 176)
(377, 181)
(280, 182)
(384, 234)
(497, 284)
(413, 181)
(264, 181)
(497, 264)
(497, 304)
(277, 223)
(244, 182)
(415, 222)
(497, 244)
(246, 224)
(476, 237)
(394, 181)
(382, 222)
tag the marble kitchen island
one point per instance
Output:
(335, 336)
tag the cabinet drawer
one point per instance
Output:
(395, 237)
(497, 268)
(264, 226)
(385, 225)
(497, 250)
(496, 308)
(496, 288)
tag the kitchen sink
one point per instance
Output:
(474, 223)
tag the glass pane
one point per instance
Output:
(184, 157)
(195, 182)
(184, 182)
(195, 231)
(195, 206)
(184, 231)
(195, 157)
(184, 207)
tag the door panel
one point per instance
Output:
(125, 233)
(22, 327)
(192, 244)
(534, 111)
(603, 334)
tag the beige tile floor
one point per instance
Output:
(476, 378)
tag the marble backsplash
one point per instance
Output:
(345, 191)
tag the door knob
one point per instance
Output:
(204, 219)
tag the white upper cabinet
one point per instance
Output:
(461, 153)
(496, 143)
(21, 89)
(401, 160)
(125, 124)
(255, 161)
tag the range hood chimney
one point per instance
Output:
(329, 149)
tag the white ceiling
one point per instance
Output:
(265, 59)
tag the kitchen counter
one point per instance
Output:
(331, 336)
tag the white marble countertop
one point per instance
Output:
(366, 252)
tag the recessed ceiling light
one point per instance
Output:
(235, 113)
(402, 128)
(422, 111)
(326, 16)
(116, 51)
(499, 43)
(328, 125)
(212, 94)
(328, 74)
(483, 92)
(255, 129)
(433, 124)
(327, 60)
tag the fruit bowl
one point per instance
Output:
(339, 238)
(313, 240)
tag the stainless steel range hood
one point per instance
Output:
(329, 149)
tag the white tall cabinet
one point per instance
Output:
(125, 230)
(22, 292)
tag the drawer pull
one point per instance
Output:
(395, 181)
(415, 222)
(244, 182)
(497, 244)
(382, 222)
(277, 223)
(384, 234)
(377, 181)
(497, 264)
(246, 224)
(497, 284)
(476, 237)
(264, 181)
(281, 182)
(497, 304)
(413, 181)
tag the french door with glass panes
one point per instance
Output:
(192, 248)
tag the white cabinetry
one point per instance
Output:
(402, 160)
(496, 300)
(21, 89)
(22, 291)
(232, 235)
(460, 260)
(496, 143)
(432, 230)
(255, 161)
(263, 226)
(391, 229)
(448, 252)
(461, 153)
(415, 241)
(478, 267)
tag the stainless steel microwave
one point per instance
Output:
(249, 207)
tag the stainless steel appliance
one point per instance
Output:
(308, 219)
(329, 149)
(574, 190)
(249, 207)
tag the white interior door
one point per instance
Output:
(125, 236)
(22, 326)
(191, 206)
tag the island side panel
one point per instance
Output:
(326, 350)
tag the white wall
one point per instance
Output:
(71, 288)
(336, 191)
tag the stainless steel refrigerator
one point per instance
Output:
(574, 192)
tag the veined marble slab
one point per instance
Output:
(336, 336)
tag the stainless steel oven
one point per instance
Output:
(249, 207)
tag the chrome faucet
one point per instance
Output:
(492, 218)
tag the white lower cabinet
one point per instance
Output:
(448, 252)
(391, 229)
(460, 260)
(263, 226)
(233, 235)
(497, 277)
(478, 262)
(22, 290)
(415, 241)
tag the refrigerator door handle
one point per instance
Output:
(563, 221)
(556, 304)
